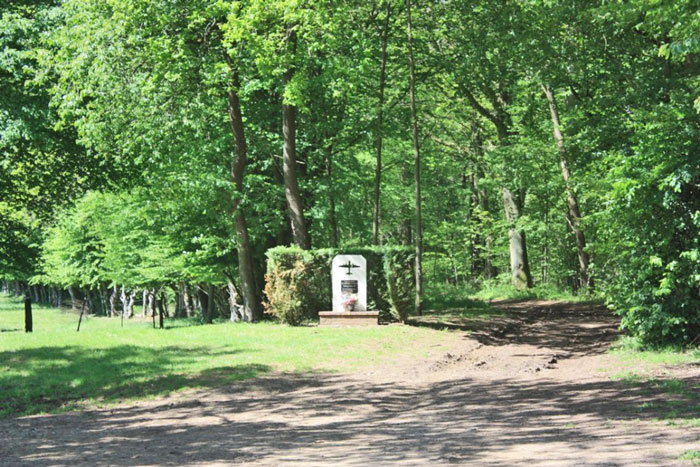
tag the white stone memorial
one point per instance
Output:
(349, 283)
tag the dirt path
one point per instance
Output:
(532, 388)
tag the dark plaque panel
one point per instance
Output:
(348, 286)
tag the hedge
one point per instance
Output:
(298, 282)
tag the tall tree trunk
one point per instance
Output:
(405, 226)
(161, 309)
(519, 265)
(416, 151)
(520, 268)
(574, 214)
(178, 302)
(187, 300)
(376, 212)
(295, 206)
(152, 305)
(122, 298)
(251, 300)
(333, 218)
(129, 310)
(205, 303)
(152, 302)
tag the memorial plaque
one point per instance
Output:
(349, 286)
(349, 282)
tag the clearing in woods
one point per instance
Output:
(535, 385)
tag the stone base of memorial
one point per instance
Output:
(349, 318)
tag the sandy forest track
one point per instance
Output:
(530, 388)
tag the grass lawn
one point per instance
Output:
(56, 368)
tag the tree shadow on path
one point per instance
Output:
(316, 418)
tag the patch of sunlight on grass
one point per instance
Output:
(628, 350)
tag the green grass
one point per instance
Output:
(628, 351)
(500, 288)
(56, 368)
(681, 405)
(451, 308)
(501, 291)
(692, 455)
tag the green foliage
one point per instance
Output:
(400, 280)
(500, 289)
(298, 282)
(129, 99)
(294, 284)
(128, 241)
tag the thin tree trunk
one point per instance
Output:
(104, 300)
(178, 303)
(161, 309)
(545, 246)
(574, 212)
(130, 304)
(144, 304)
(376, 212)
(28, 321)
(113, 301)
(251, 300)
(71, 292)
(80, 319)
(482, 197)
(416, 151)
(122, 298)
(406, 222)
(165, 303)
(332, 217)
(152, 305)
(295, 206)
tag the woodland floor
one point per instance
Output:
(536, 386)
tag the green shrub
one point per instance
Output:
(298, 282)
(399, 272)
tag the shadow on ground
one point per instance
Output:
(47, 378)
(572, 328)
(306, 418)
(332, 419)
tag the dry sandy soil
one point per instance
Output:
(533, 388)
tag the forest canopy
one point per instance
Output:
(161, 148)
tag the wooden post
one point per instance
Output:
(28, 325)
(80, 320)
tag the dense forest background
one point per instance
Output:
(158, 148)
